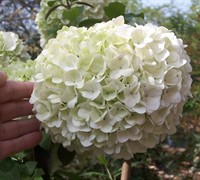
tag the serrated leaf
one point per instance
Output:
(64, 155)
(114, 10)
(89, 22)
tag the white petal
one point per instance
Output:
(98, 65)
(131, 97)
(91, 90)
(73, 78)
(97, 115)
(123, 136)
(65, 60)
(163, 55)
(159, 117)
(121, 72)
(56, 80)
(10, 40)
(124, 31)
(139, 108)
(157, 47)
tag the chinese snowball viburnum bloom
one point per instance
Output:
(112, 89)
(11, 49)
(14, 59)
(48, 27)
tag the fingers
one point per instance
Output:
(15, 129)
(3, 78)
(25, 142)
(14, 109)
(13, 90)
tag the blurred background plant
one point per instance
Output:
(177, 158)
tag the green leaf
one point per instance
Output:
(197, 137)
(46, 141)
(6, 164)
(55, 163)
(70, 175)
(37, 174)
(21, 155)
(102, 160)
(91, 174)
(114, 10)
(13, 173)
(51, 3)
(129, 16)
(73, 15)
(38, 178)
(6, 176)
(89, 22)
(30, 167)
(64, 155)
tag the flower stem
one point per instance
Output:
(108, 171)
(126, 170)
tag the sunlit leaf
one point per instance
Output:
(51, 3)
(102, 160)
(73, 15)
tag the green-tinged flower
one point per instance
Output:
(111, 89)
(56, 20)
(20, 70)
(11, 49)
(14, 60)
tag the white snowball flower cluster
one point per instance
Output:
(14, 60)
(11, 49)
(112, 89)
(48, 28)
(20, 70)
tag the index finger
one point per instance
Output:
(13, 90)
(16, 145)
(3, 78)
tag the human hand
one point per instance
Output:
(16, 135)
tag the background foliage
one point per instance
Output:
(177, 158)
